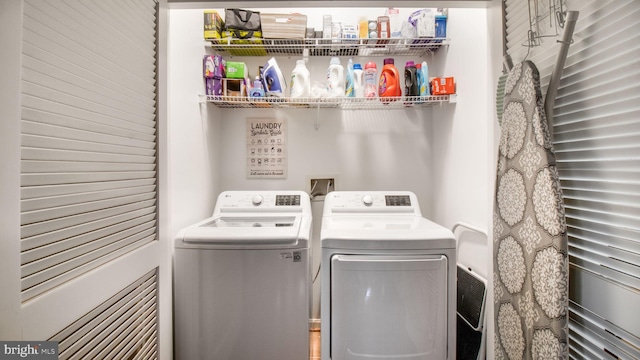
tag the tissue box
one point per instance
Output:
(213, 86)
(213, 66)
(213, 25)
(283, 26)
(237, 70)
(443, 86)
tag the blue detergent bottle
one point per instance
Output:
(423, 75)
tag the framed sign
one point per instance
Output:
(266, 148)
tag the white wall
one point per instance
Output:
(440, 153)
(193, 136)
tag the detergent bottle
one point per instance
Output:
(411, 85)
(425, 89)
(350, 81)
(257, 91)
(370, 76)
(358, 81)
(335, 78)
(300, 81)
(388, 85)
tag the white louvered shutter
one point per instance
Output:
(88, 146)
(123, 327)
(597, 142)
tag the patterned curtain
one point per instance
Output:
(531, 279)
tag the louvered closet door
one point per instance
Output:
(88, 152)
(597, 142)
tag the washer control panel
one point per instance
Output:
(397, 200)
(253, 200)
(287, 200)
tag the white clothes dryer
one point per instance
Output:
(388, 279)
(242, 279)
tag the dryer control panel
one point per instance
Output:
(371, 202)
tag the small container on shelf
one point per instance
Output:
(443, 86)
(234, 87)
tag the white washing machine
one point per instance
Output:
(388, 279)
(242, 279)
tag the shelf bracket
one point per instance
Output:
(316, 125)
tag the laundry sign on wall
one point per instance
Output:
(266, 148)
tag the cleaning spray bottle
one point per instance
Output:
(300, 81)
(350, 81)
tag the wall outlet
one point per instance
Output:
(321, 186)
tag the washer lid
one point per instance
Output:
(384, 232)
(242, 231)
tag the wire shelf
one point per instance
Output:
(328, 47)
(344, 103)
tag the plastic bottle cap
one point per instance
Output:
(388, 61)
(418, 66)
(370, 65)
(335, 61)
(409, 63)
(357, 67)
(300, 62)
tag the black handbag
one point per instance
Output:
(239, 19)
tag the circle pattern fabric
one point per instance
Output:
(547, 346)
(514, 129)
(512, 197)
(550, 280)
(510, 330)
(530, 250)
(547, 197)
(511, 265)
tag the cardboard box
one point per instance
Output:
(443, 86)
(349, 31)
(384, 28)
(326, 27)
(234, 87)
(213, 25)
(283, 26)
(213, 86)
(237, 70)
(213, 66)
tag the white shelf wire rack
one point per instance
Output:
(327, 47)
(344, 103)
